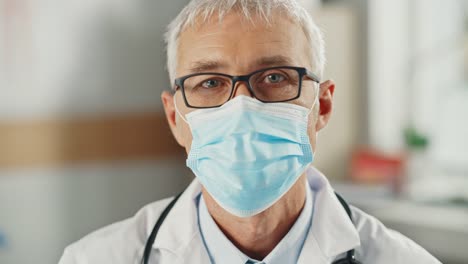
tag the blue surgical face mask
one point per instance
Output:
(248, 154)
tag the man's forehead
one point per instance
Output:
(208, 65)
(217, 45)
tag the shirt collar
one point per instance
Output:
(221, 249)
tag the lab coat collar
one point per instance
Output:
(179, 233)
(331, 233)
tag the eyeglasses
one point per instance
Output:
(269, 85)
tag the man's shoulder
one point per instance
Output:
(380, 244)
(122, 240)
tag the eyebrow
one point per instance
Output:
(206, 66)
(213, 65)
(277, 60)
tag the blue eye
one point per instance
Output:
(212, 83)
(275, 78)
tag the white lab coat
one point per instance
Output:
(179, 240)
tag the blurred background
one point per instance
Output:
(84, 141)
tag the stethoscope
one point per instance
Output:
(349, 259)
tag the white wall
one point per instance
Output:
(415, 57)
(437, 57)
(85, 57)
(389, 53)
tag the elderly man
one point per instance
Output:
(246, 104)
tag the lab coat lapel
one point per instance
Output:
(179, 236)
(332, 232)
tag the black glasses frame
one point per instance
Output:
(303, 72)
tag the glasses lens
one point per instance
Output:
(207, 90)
(275, 85)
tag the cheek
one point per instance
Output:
(183, 129)
(186, 134)
(307, 97)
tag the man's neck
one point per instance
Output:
(258, 235)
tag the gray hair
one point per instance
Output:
(204, 9)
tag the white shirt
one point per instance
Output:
(179, 240)
(222, 250)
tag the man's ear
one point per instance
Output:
(171, 115)
(326, 91)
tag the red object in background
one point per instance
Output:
(372, 167)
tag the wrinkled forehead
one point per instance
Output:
(236, 44)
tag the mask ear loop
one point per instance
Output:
(317, 90)
(177, 110)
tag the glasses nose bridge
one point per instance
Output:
(244, 79)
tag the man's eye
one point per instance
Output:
(212, 83)
(274, 78)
